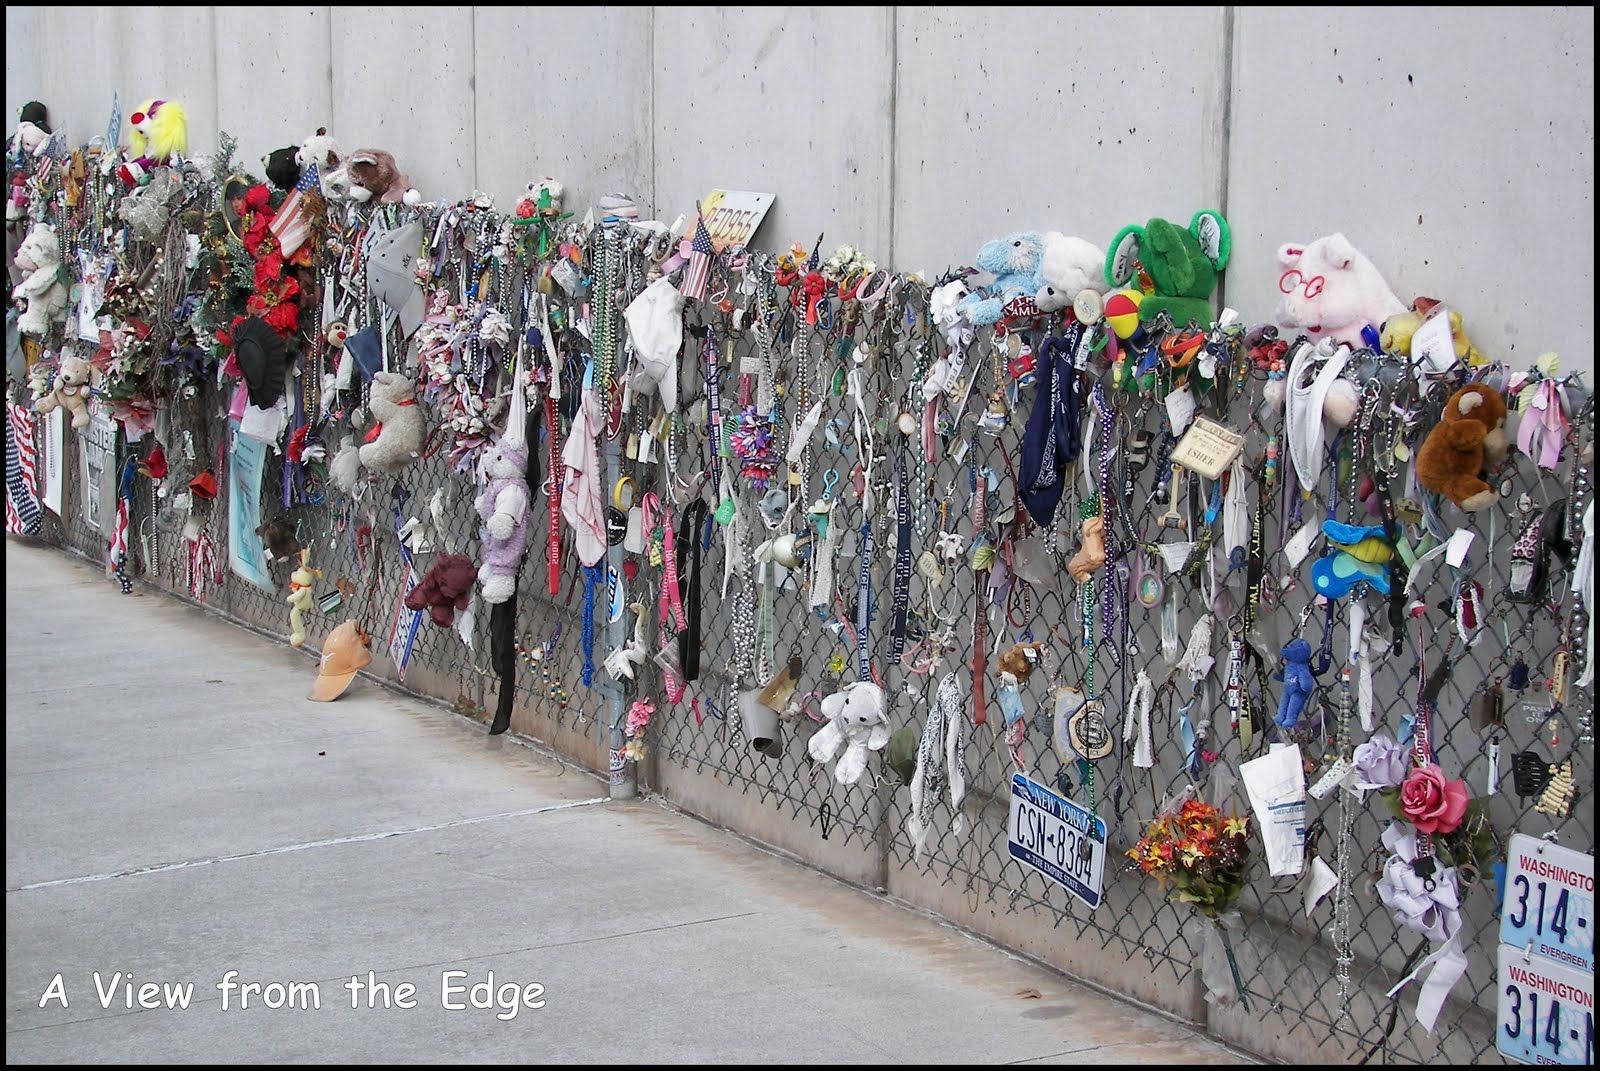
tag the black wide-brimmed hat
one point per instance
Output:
(263, 357)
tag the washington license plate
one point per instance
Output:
(1549, 902)
(1546, 1010)
(1059, 839)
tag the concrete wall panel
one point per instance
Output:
(22, 59)
(1019, 119)
(285, 59)
(405, 84)
(168, 53)
(793, 101)
(1455, 148)
(564, 92)
(80, 54)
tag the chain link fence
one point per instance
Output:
(978, 573)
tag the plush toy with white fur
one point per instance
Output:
(320, 149)
(1068, 267)
(33, 130)
(505, 502)
(40, 256)
(1331, 290)
(345, 468)
(858, 722)
(401, 424)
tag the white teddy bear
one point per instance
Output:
(46, 297)
(402, 426)
(1068, 267)
(858, 722)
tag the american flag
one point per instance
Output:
(699, 269)
(291, 227)
(22, 503)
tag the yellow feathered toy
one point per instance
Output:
(158, 130)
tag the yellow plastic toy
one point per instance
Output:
(300, 582)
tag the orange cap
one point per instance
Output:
(346, 651)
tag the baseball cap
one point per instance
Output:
(392, 274)
(346, 651)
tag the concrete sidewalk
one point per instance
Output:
(176, 810)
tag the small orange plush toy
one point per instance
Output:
(1092, 555)
(1469, 438)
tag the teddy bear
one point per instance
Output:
(1092, 554)
(282, 167)
(71, 390)
(858, 722)
(1399, 329)
(278, 538)
(505, 508)
(1178, 265)
(33, 130)
(1298, 683)
(1014, 262)
(1331, 290)
(40, 256)
(323, 151)
(371, 175)
(1019, 662)
(400, 428)
(1068, 268)
(445, 588)
(344, 470)
(300, 595)
(1469, 438)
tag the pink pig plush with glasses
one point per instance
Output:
(1330, 290)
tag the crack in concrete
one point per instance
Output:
(357, 838)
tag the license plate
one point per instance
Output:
(1057, 838)
(1546, 1010)
(1549, 902)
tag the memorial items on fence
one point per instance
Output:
(1072, 473)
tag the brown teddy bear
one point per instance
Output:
(446, 588)
(1469, 438)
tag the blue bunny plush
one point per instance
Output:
(1014, 261)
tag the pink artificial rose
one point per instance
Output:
(1433, 803)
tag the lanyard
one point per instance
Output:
(714, 404)
(864, 602)
(1111, 600)
(553, 495)
(593, 575)
(902, 559)
(980, 519)
(695, 525)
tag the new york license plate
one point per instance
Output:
(1059, 839)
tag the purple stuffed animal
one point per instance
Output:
(504, 503)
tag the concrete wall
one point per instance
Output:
(1455, 148)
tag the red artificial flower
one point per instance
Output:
(284, 318)
(297, 444)
(257, 198)
(269, 269)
